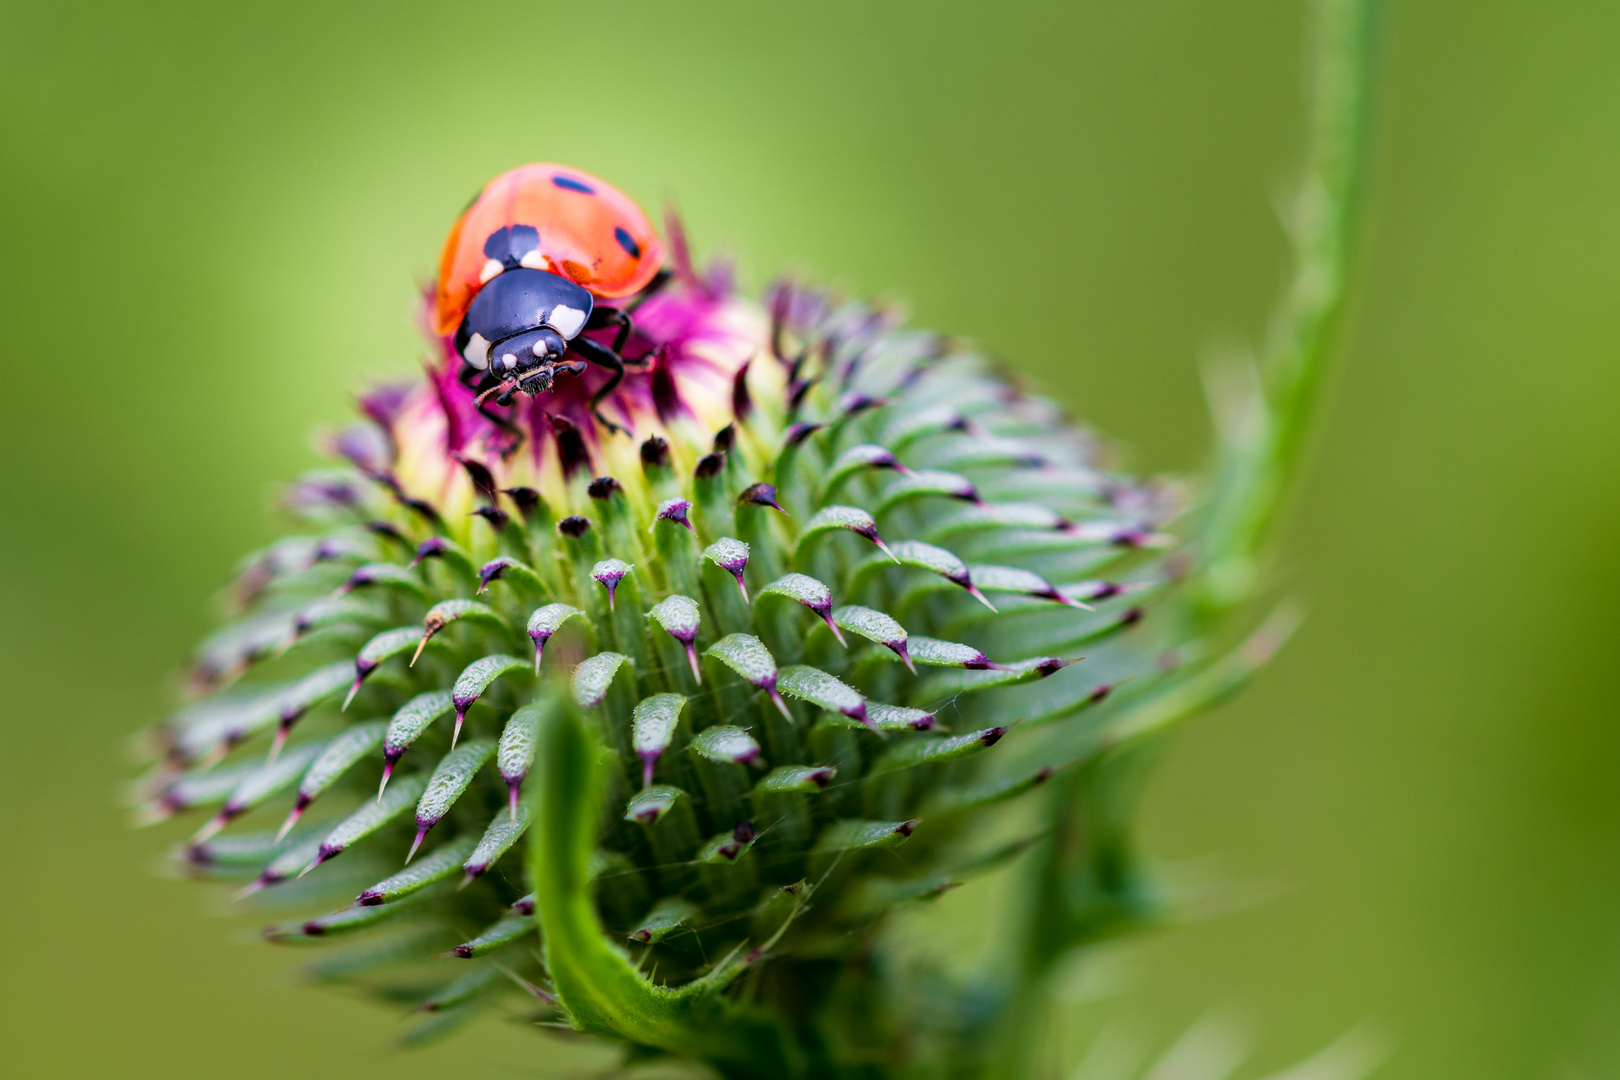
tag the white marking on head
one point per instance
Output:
(536, 261)
(491, 268)
(566, 321)
(509, 361)
(477, 352)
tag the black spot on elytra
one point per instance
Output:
(568, 183)
(627, 242)
(508, 244)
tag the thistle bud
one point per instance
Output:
(605, 694)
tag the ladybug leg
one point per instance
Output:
(603, 357)
(511, 438)
(619, 317)
(603, 317)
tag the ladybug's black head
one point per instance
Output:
(536, 349)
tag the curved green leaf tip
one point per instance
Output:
(594, 980)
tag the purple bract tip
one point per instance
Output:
(603, 487)
(526, 499)
(797, 433)
(761, 494)
(492, 570)
(292, 818)
(423, 509)
(654, 453)
(575, 526)
(825, 611)
(674, 510)
(432, 626)
(283, 729)
(479, 474)
(362, 668)
(854, 403)
(741, 403)
(973, 591)
(496, 517)
(421, 834)
(431, 548)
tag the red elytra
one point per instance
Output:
(591, 233)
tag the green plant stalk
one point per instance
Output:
(1263, 416)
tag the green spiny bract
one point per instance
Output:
(654, 734)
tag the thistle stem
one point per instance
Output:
(1263, 417)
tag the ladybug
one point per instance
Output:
(522, 273)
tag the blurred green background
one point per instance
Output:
(219, 215)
